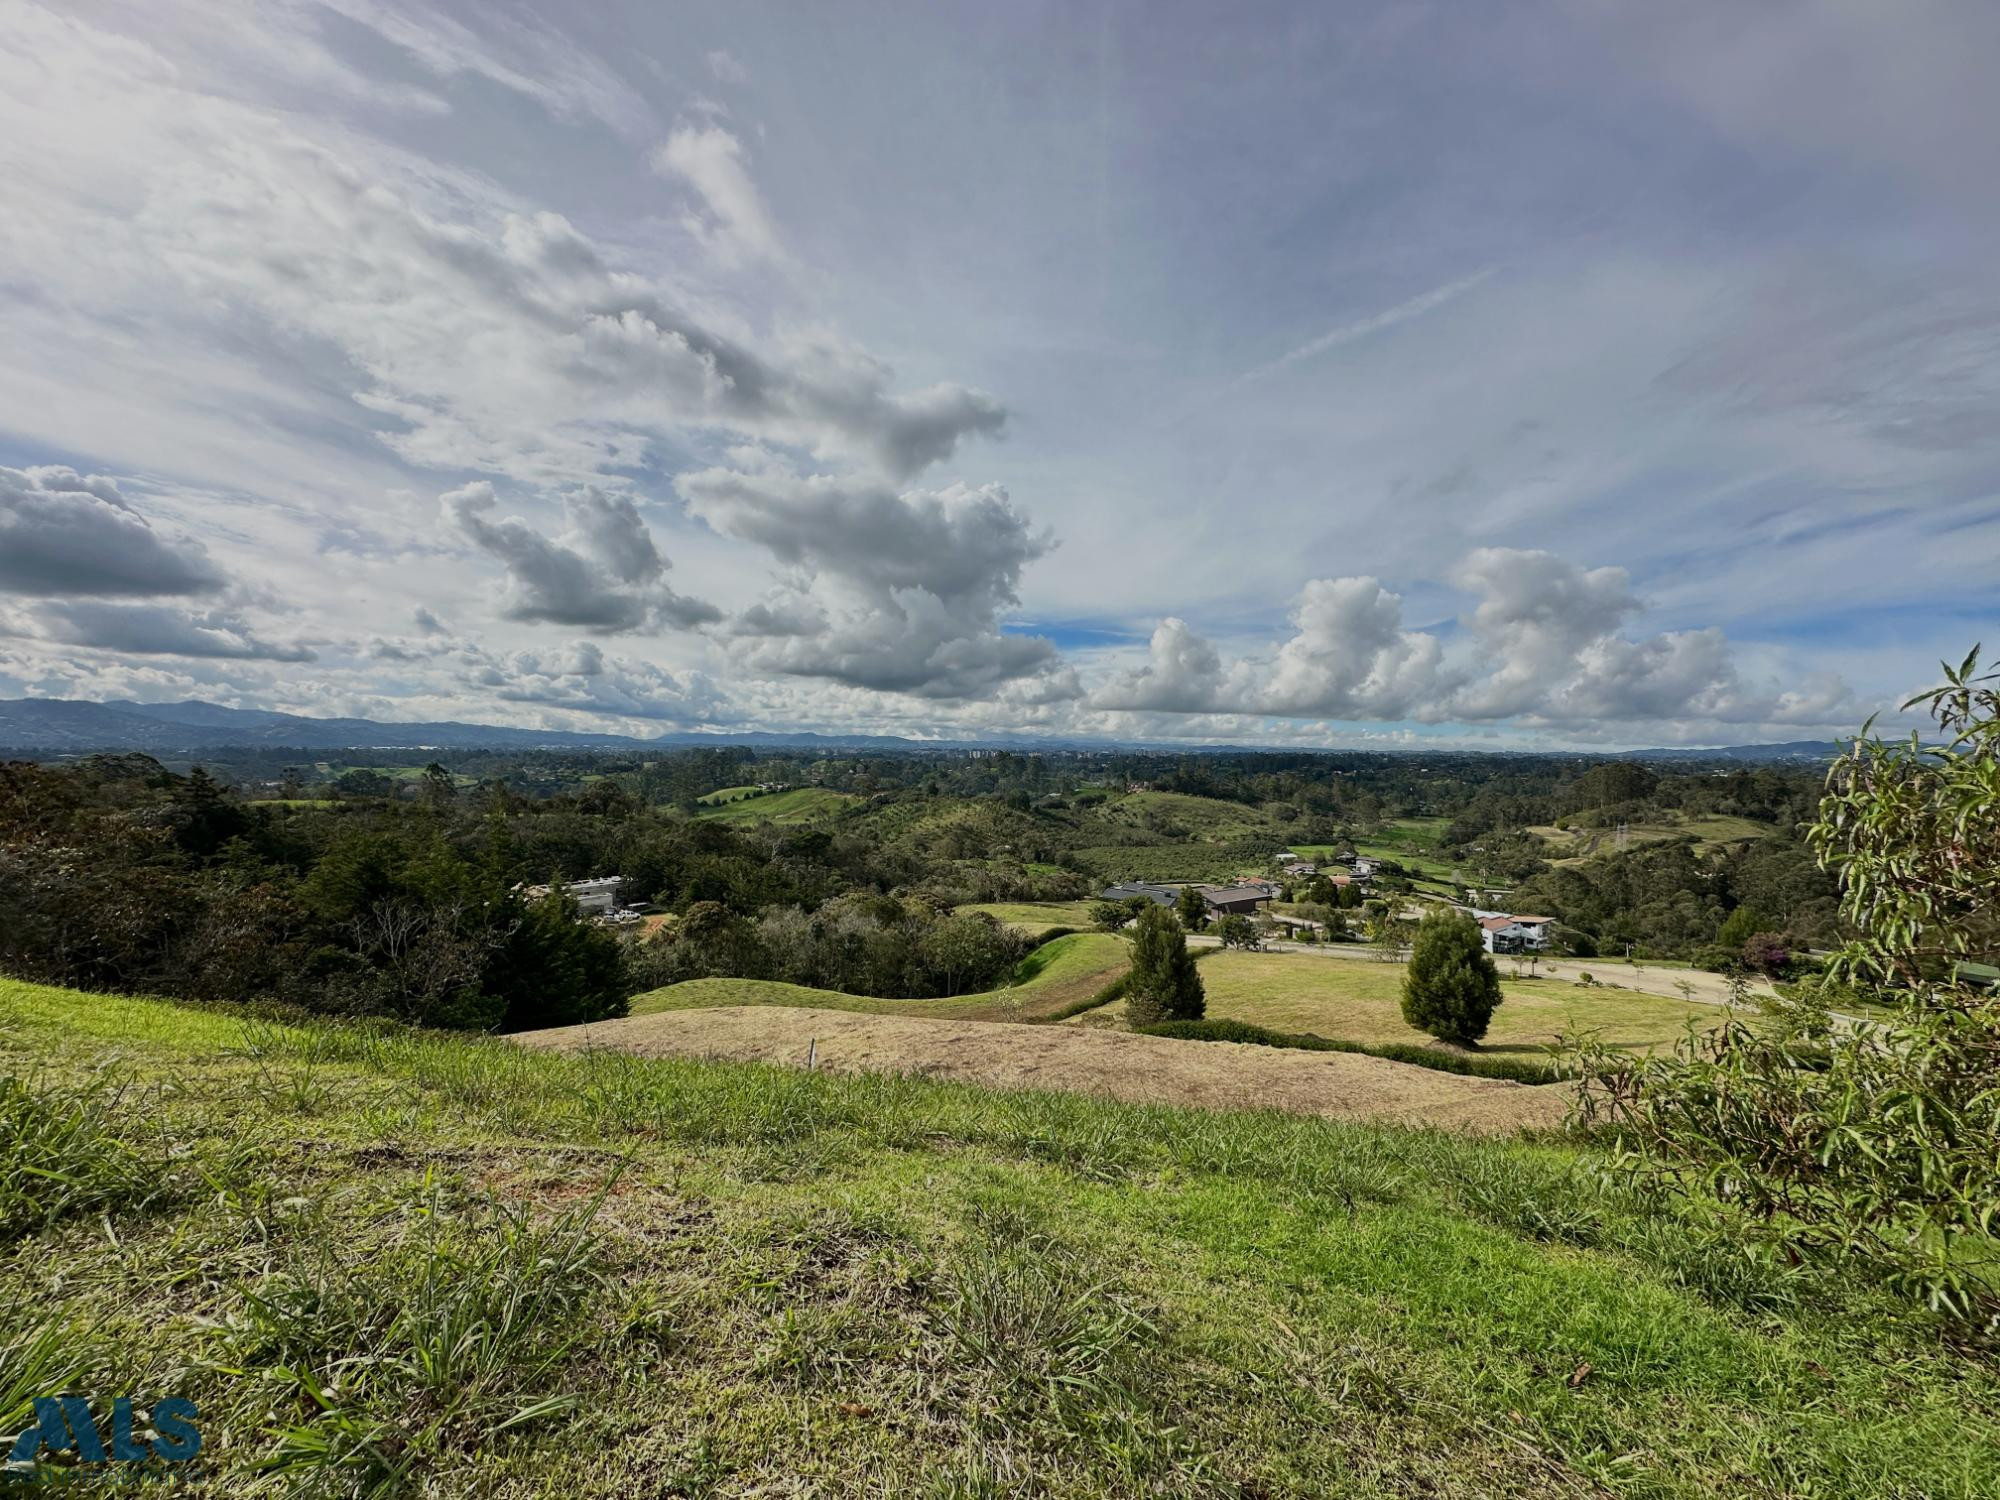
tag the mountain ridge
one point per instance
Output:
(80, 726)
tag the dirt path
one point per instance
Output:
(1142, 1069)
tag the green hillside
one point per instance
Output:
(1710, 832)
(1055, 976)
(1034, 916)
(801, 804)
(388, 1262)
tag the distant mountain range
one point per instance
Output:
(51, 724)
(61, 725)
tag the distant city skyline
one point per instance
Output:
(1528, 376)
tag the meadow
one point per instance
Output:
(385, 1261)
(1358, 1000)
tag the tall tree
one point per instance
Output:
(1192, 908)
(1451, 988)
(1163, 985)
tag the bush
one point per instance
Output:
(1236, 932)
(1451, 989)
(1869, 1148)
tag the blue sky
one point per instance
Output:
(1534, 374)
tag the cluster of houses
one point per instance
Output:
(1353, 867)
(596, 898)
(1244, 898)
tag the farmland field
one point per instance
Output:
(1192, 819)
(1171, 862)
(1359, 1001)
(801, 804)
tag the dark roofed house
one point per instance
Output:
(1234, 900)
(1159, 895)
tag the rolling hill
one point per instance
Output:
(388, 1262)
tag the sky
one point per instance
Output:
(1520, 375)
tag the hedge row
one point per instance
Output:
(1515, 1070)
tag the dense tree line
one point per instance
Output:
(863, 944)
(116, 873)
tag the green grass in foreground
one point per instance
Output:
(385, 1262)
(1352, 999)
(1053, 978)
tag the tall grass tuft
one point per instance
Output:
(449, 1339)
(59, 1156)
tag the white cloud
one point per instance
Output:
(737, 226)
(725, 67)
(602, 574)
(900, 592)
(1542, 648)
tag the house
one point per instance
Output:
(1296, 867)
(1233, 900)
(1159, 895)
(1270, 888)
(1511, 934)
(1297, 924)
(596, 897)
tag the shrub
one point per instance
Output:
(1451, 989)
(1236, 932)
(1868, 1147)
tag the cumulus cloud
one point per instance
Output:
(583, 678)
(1349, 657)
(900, 592)
(1542, 647)
(1536, 616)
(65, 534)
(602, 574)
(162, 630)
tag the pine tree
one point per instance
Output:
(1451, 988)
(1192, 908)
(1163, 985)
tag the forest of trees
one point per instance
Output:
(370, 886)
